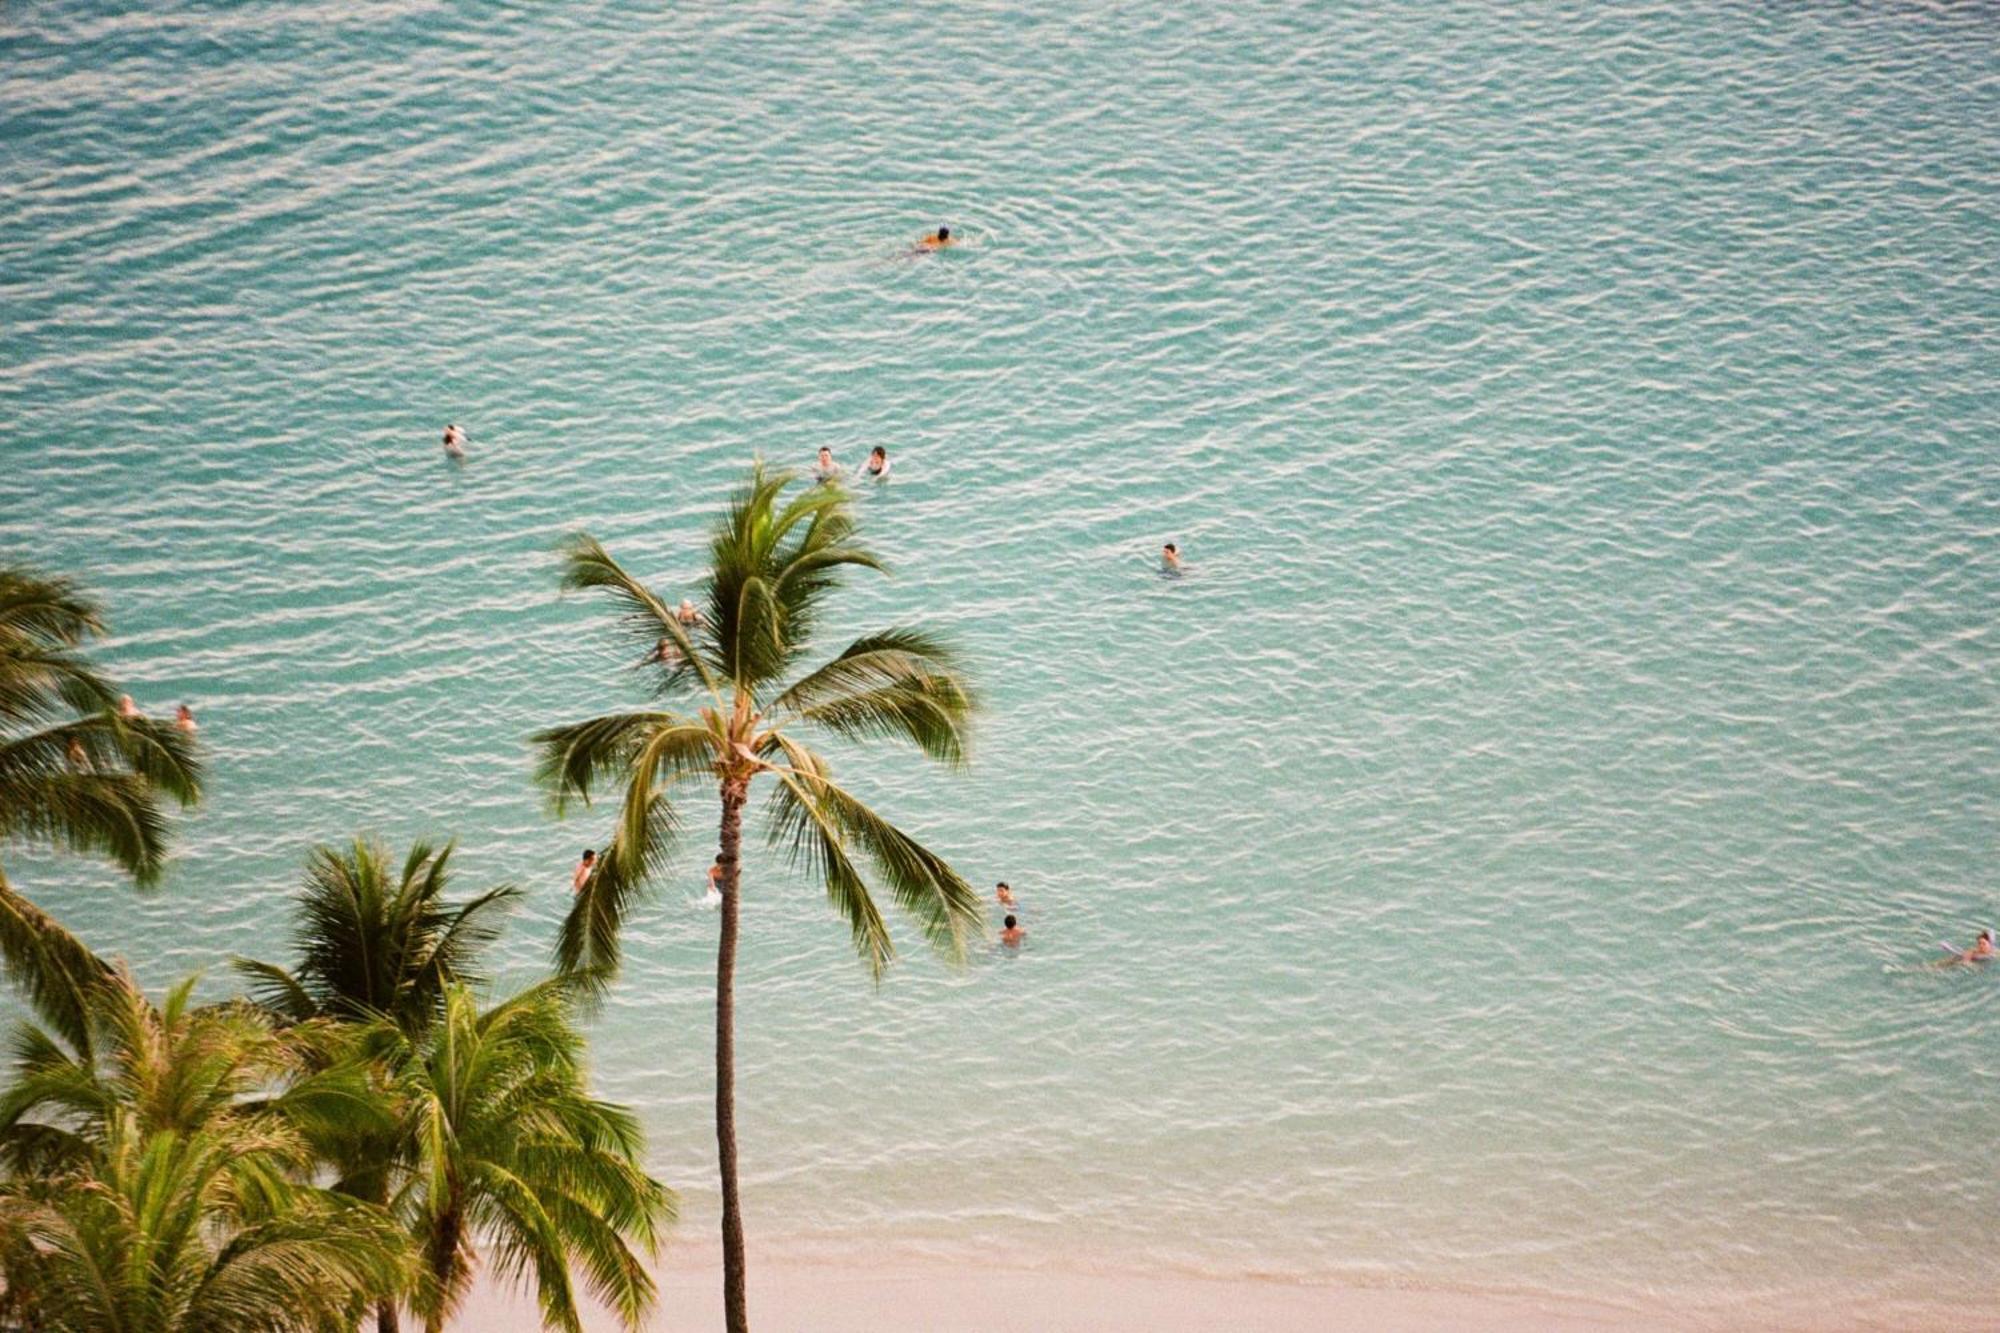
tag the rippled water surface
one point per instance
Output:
(1504, 860)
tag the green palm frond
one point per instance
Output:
(371, 942)
(158, 752)
(276, 989)
(469, 930)
(523, 1163)
(654, 754)
(43, 619)
(111, 814)
(50, 966)
(571, 758)
(818, 846)
(73, 775)
(647, 618)
(770, 569)
(923, 883)
(40, 608)
(900, 684)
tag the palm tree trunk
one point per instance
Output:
(446, 1231)
(385, 1317)
(733, 1304)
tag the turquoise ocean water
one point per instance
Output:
(1503, 861)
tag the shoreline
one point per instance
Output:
(884, 1292)
(823, 1297)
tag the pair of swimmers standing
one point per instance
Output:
(826, 471)
(183, 715)
(1011, 933)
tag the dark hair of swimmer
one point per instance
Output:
(1171, 547)
(944, 233)
(879, 452)
(589, 854)
(1010, 923)
(1001, 885)
(1985, 934)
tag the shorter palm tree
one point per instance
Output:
(160, 1234)
(161, 1181)
(512, 1151)
(370, 948)
(491, 1132)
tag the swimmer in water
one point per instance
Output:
(938, 241)
(665, 653)
(687, 614)
(1170, 559)
(581, 875)
(1982, 949)
(126, 708)
(826, 470)
(878, 462)
(714, 895)
(1003, 895)
(1013, 934)
(184, 719)
(454, 441)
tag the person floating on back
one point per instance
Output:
(454, 441)
(1982, 949)
(878, 463)
(1170, 559)
(937, 241)
(1013, 934)
(584, 867)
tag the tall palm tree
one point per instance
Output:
(773, 561)
(162, 1182)
(371, 948)
(74, 773)
(512, 1149)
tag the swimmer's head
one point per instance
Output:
(589, 854)
(1001, 885)
(826, 454)
(1986, 935)
(1010, 921)
(944, 233)
(878, 452)
(1171, 549)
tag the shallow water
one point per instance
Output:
(1505, 858)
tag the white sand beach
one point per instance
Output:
(792, 1297)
